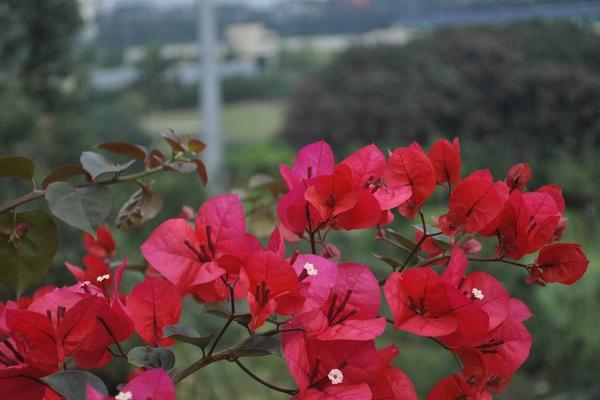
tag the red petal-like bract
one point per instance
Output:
(518, 176)
(475, 204)
(270, 277)
(103, 245)
(153, 384)
(562, 262)
(221, 224)
(154, 304)
(367, 164)
(166, 250)
(445, 158)
(313, 160)
(410, 166)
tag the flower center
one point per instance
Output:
(102, 278)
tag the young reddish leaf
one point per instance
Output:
(196, 145)
(155, 158)
(127, 149)
(154, 304)
(174, 143)
(445, 158)
(64, 173)
(201, 170)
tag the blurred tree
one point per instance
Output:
(35, 39)
(530, 88)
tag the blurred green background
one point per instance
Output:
(513, 82)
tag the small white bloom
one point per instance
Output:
(310, 269)
(124, 396)
(103, 278)
(478, 294)
(84, 284)
(335, 376)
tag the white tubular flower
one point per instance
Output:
(478, 294)
(310, 269)
(335, 376)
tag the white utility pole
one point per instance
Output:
(209, 90)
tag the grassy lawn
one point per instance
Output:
(242, 122)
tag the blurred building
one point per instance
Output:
(245, 47)
(89, 11)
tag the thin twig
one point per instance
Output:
(263, 382)
(229, 320)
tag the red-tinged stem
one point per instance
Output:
(263, 382)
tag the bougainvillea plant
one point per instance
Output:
(295, 294)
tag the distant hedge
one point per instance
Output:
(521, 89)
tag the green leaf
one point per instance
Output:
(72, 384)
(82, 207)
(405, 242)
(96, 164)
(187, 334)
(214, 309)
(181, 166)
(25, 261)
(151, 357)
(257, 346)
(430, 228)
(389, 260)
(64, 173)
(16, 167)
(445, 242)
(142, 206)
